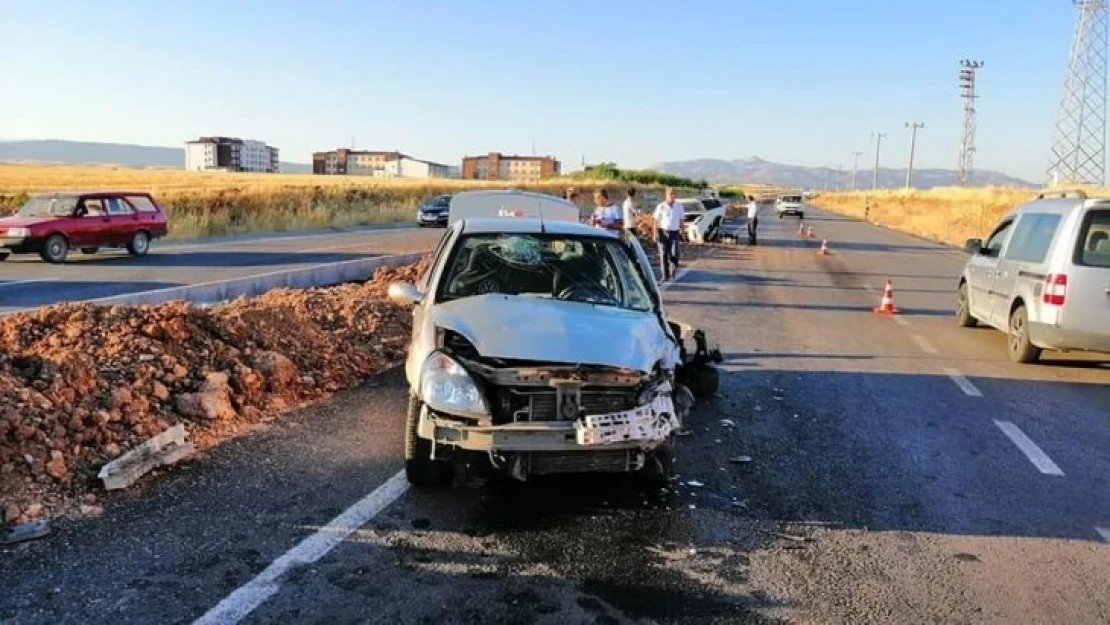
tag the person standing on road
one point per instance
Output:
(753, 218)
(630, 212)
(668, 219)
(606, 215)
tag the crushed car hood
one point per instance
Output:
(556, 331)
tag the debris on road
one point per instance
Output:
(25, 532)
(162, 450)
(81, 384)
(740, 459)
(695, 484)
(728, 423)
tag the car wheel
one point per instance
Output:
(90, 250)
(1020, 349)
(420, 469)
(658, 466)
(55, 250)
(963, 309)
(140, 244)
(703, 381)
(801, 215)
(4, 256)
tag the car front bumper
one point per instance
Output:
(21, 245)
(433, 218)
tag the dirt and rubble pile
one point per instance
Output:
(81, 384)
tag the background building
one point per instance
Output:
(497, 166)
(230, 154)
(380, 164)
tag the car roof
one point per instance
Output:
(80, 194)
(498, 225)
(1058, 206)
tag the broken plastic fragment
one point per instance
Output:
(728, 423)
(695, 484)
(27, 531)
(740, 459)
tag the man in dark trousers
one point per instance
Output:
(668, 222)
(753, 218)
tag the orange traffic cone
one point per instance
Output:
(886, 307)
(824, 251)
(809, 232)
(801, 229)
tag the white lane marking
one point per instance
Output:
(924, 344)
(679, 275)
(18, 282)
(236, 606)
(900, 320)
(1035, 454)
(1104, 532)
(965, 384)
(870, 288)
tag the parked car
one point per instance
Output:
(1043, 276)
(539, 346)
(434, 212)
(703, 218)
(51, 224)
(790, 205)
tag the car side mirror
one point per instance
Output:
(973, 246)
(405, 293)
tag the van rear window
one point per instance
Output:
(1093, 249)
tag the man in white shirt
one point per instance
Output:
(668, 222)
(630, 212)
(753, 218)
(606, 215)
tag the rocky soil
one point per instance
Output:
(81, 384)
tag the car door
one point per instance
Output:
(980, 271)
(123, 221)
(1087, 298)
(87, 226)
(1021, 263)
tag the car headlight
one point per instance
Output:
(446, 386)
(19, 232)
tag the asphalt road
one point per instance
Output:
(27, 282)
(901, 471)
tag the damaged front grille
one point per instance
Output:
(562, 404)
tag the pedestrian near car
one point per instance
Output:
(753, 219)
(606, 215)
(668, 219)
(629, 211)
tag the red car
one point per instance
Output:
(51, 224)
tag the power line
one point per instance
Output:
(1078, 153)
(968, 72)
(913, 126)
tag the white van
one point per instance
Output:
(1043, 276)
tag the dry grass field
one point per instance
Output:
(214, 203)
(951, 215)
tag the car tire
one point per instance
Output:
(963, 309)
(420, 469)
(1018, 345)
(55, 249)
(90, 250)
(4, 256)
(801, 215)
(139, 244)
(703, 381)
(658, 466)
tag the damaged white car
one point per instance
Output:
(540, 346)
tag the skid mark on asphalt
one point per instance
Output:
(236, 606)
(924, 344)
(965, 384)
(1034, 453)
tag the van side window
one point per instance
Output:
(1032, 237)
(1093, 247)
(997, 239)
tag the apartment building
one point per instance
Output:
(230, 154)
(497, 166)
(380, 164)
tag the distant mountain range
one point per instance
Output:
(758, 171)
(84, 152)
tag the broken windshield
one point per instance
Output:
(584, 269)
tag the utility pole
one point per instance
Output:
(913, 126)
(967, 144)
(878, 144)
(839, 176)
(1078, 153)
(855, 167)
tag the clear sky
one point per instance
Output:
(803, 82)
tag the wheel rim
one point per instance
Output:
(1017, 333)
(140, 242)
(55, 249)
(961, 303)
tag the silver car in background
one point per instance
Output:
(1043, 276)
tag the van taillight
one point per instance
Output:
(1055, 289)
